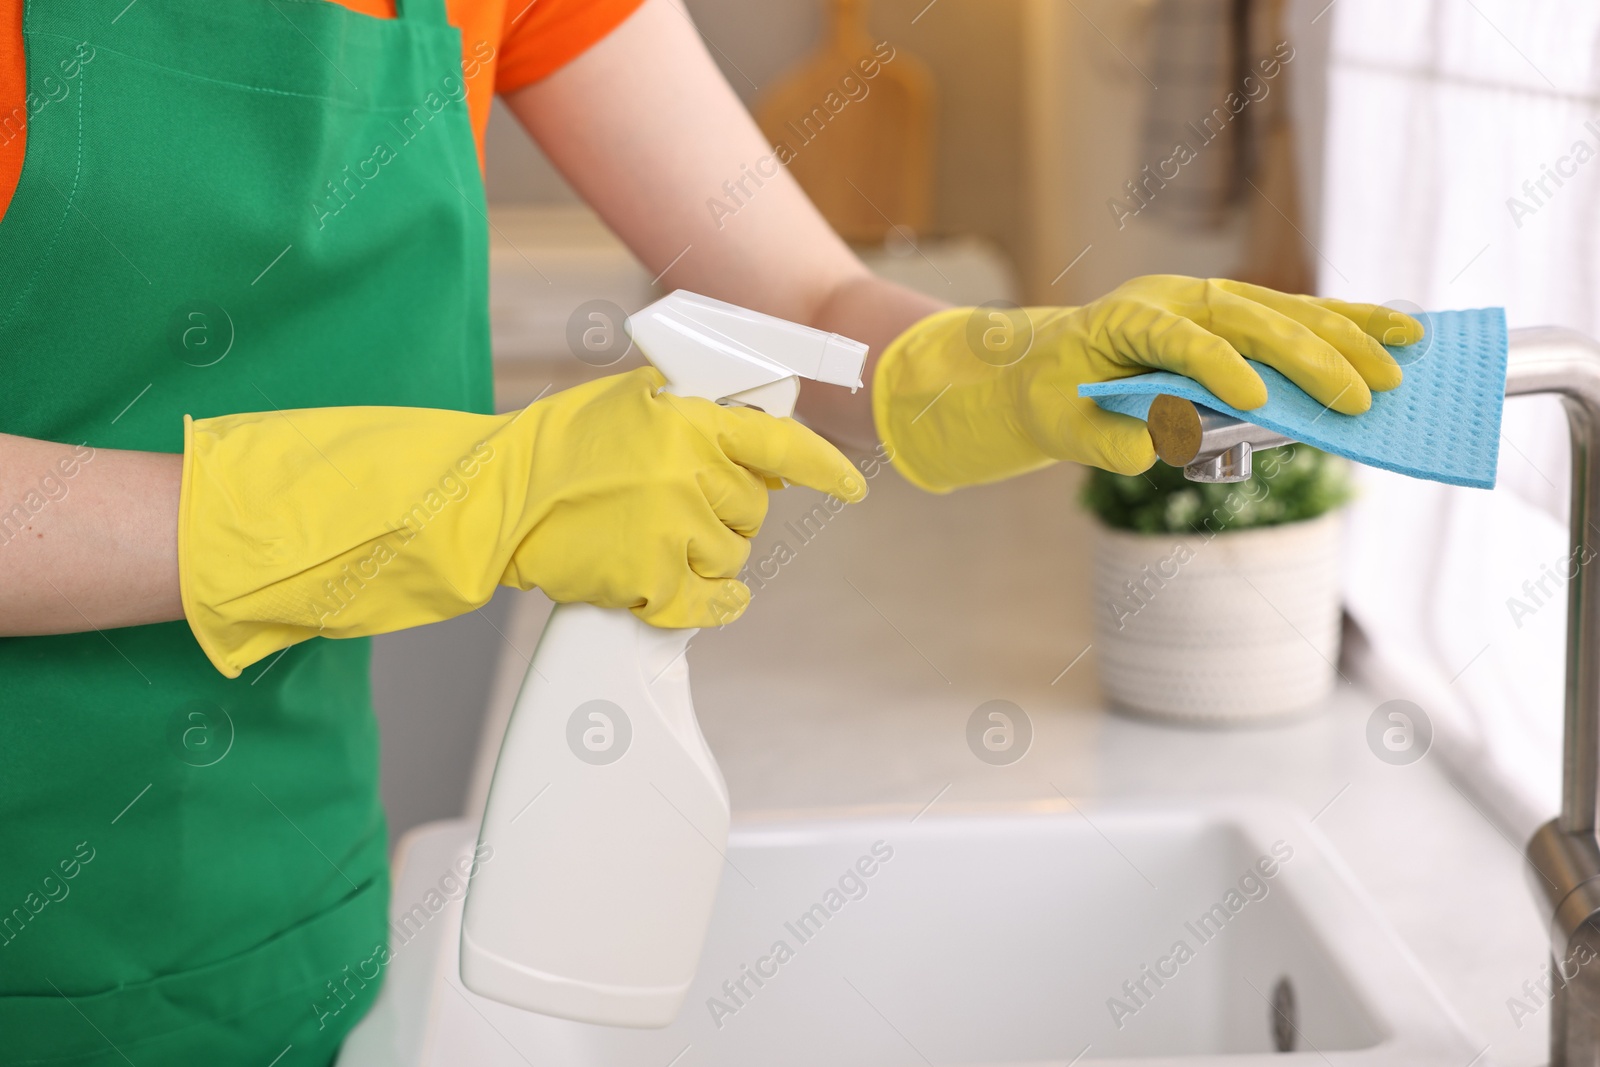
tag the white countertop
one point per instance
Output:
(851, 678)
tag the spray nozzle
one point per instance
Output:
(721, 351)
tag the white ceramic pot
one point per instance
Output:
(1240, 627)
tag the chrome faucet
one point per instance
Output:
(1208, 445)
(1564, 854)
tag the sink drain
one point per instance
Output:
(1285, 1024)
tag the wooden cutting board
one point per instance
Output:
(854, 125)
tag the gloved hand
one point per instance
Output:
(352, 521)
(972, 395)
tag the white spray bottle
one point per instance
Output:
(607, 814)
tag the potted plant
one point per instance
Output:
(1219, 603)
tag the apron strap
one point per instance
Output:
(426, 12)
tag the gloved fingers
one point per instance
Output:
(1359, 348)
(697, 602)
(1386, 325)
(685, 583)
(1118, 443)
(1081, 430)
(1152, 336)
(1264, 334)
(779, 448)
(714, 551)
(692, 581)
(737, 496)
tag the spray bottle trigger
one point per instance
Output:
(776, 398)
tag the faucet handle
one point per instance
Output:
(1234, 465)
(1208, 445)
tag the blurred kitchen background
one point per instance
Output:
(1039, 113)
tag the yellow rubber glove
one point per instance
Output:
(972, 395)
(346, 522)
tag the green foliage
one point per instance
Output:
(1289, 484)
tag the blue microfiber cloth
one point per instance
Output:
(1442, 423)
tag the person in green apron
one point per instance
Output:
(246, 416)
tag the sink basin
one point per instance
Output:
(1051, 934)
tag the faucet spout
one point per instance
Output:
(1208, 445)
(1564, 855)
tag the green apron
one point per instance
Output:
(224, 207)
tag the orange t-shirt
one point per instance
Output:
(517, 41)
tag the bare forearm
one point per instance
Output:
(648, 131)
(88, 537)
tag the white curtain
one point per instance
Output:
(1438, 114)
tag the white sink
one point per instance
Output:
(985, 937)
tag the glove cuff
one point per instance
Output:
(366, 530)
(895, 389)
(948, 398)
